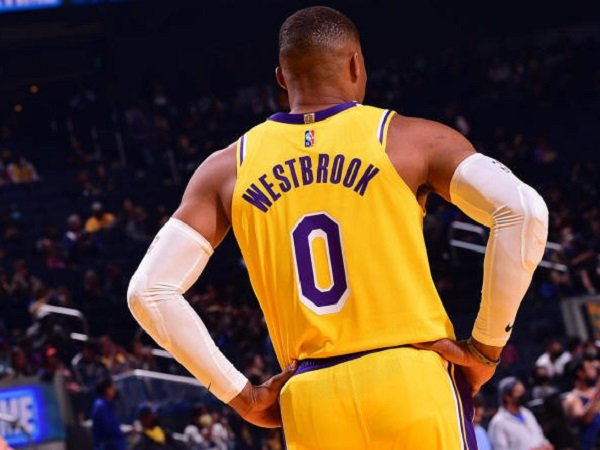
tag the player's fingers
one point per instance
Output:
(276, 382)
(449, 350)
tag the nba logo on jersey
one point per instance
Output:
(309, 138)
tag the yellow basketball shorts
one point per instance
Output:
(400, 398)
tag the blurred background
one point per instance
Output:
(106, 109)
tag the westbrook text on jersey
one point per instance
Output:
(296, 172)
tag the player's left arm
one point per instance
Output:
(517, 216)
(172, 264)
(488, 192)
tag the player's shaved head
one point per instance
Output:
(320, 46)
(315, 30)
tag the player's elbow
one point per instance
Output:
(144, 301)
(137, 295)
(535, 227)
(525, 212)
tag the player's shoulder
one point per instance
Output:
(222, 157)
(260, 127)
(418, 127)
(218, 166)
(424, 134)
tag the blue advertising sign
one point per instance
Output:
(36, 412)
(18, 5)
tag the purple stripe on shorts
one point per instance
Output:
(382, 126)
(463, 390)
(308, 365)
(242, 149)
(298, 119)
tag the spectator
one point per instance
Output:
(87, 367)
(137, 227)
(514, 427)
(52, 365)
(52, 254)
(575, 349)
(5, 356)
(100, 219)
(481, 435)
(5, 285)
(4, 179)
(113, 356)
(95, 303)
(78, 243)
(20, 366)
(590, 350)
(141, 356)
(127, 212)
(542, 383)
(106, 427)
(556, 425)
(554, 359)
(582, 404)
(21, 170)
(272, 440)
(196, 434)
(114, 284)
(220, 433)
(154, 436)
(23, 282)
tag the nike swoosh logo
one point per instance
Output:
(508, 328)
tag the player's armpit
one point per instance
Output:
(426, 153)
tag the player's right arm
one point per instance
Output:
(172, 264)
(431, 157)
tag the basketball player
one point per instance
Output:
(326, 203)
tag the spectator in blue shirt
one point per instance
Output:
(481, 435)
(106, 427)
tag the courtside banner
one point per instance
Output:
(30, 414)
(19, 5)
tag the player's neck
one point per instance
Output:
(304, 103)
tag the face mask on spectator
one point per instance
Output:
(542, 379)
(519, 400)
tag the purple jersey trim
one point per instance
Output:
(298, 119)
(242, 148)
(382, 126)
(462, 390)
(308, 365)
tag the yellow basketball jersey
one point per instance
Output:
(332, 236)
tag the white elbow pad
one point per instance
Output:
(173, 262)
(491, 194)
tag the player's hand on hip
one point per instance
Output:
(259, 405)
(457, 352)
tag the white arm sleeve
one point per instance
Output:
(517, 216)
(172, 264)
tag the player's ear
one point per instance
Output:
(355, 67)
(280, 78)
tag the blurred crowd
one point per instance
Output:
(72, 234)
